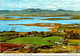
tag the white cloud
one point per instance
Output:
(9, 5)
(53, 0)
(20, 6)
(74, 5)
(43, 4)
(67, 2)
(25, 0)
(40, 0)
(1, 9)
(56, 0)
(50, 7)
(35, 5)
(78, 0)
(24, 6)
(49, 2)
(17, 6)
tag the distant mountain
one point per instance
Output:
(60, 10)
(32, 11)
(64, 10)
(4, 11)
(36, 10)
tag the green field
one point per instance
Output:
(7, 36)
(34, 40)
(53, 38)
(74, 43)
(2, 39)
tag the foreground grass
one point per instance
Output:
(34, 40)
(74, 40)
(74, 43)
(28, 40)
(53, 38)
(2, 39)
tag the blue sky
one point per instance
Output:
(42, 4)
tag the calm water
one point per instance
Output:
(20, 28)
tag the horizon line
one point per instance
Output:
(40, 9)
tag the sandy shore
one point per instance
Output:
(5, 18)
(54, 26)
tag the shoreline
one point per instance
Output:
(5, 18)
(54, 26)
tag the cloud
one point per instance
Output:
(9, 5)
(1, 9)
(40, 0)
(17, 6)
(50, 7)
(68, 3)
(35, 5)
(56, 0)
(66, 0)
(74, 5)
(42, 4)
(49, 2)
(78, 0)
(53, 0)
(25, 0)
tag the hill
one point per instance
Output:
(32, 11)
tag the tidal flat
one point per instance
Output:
(8, 18)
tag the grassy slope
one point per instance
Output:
(53, 38)
(34, 40)
(3, 39)
(74, 43)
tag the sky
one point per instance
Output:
(42, 4)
